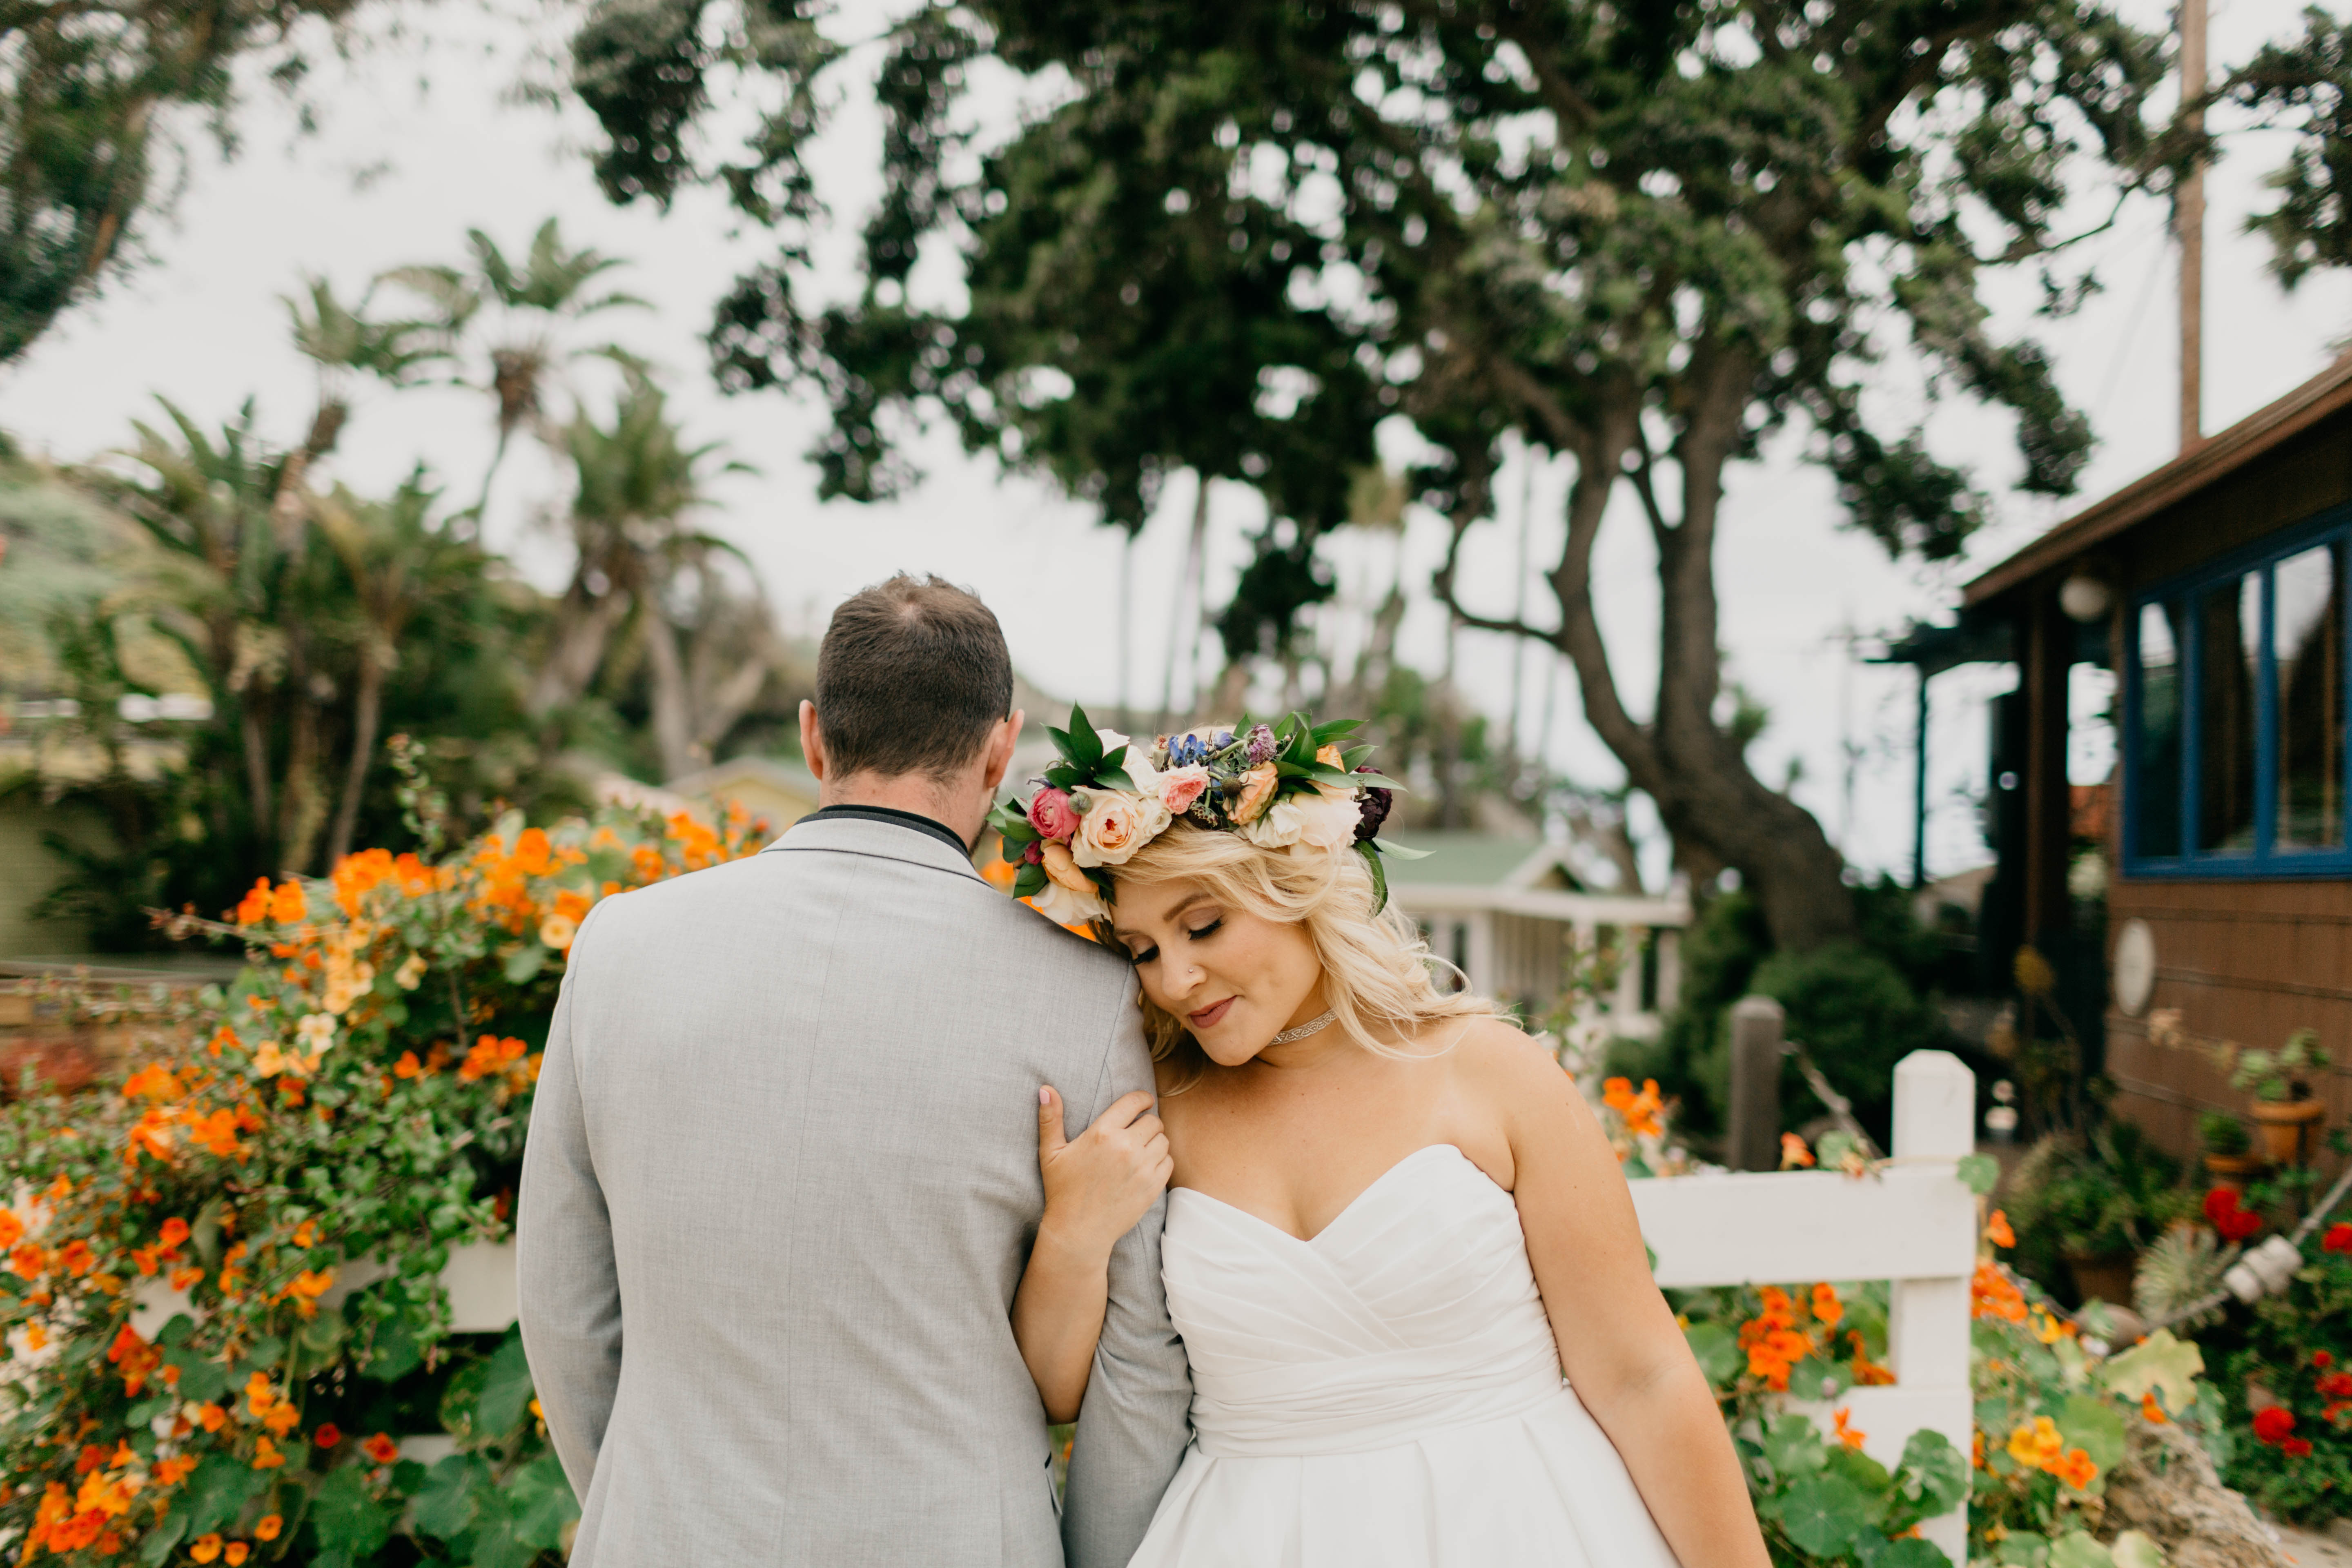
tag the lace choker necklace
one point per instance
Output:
(1312, 1026)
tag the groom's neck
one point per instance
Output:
(962, 812)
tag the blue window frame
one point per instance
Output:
(2235, 763)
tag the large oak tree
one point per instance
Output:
(1642, 236)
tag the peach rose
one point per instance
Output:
(1330, 757)
(1062, 869)
(1258, 792)
(1180, 787)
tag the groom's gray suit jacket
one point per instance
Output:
(780, 1185)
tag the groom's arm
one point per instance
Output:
(570, 1290)
(1135, 1420)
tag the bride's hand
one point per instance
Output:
(1101, 1183)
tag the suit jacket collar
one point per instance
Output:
(866, 836)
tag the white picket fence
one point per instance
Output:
(1913, 1225)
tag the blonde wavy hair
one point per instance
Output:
(1377, 969)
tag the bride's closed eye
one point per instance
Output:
(1195, 933)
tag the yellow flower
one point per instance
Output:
(410, 973)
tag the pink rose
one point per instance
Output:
(1257, 789)
(1051, 814)
(1180, 787)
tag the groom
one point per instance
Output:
(782, 1178)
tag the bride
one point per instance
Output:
(1403, 1258)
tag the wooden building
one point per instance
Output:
(2215, 588)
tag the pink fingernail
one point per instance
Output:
(1044, 1095)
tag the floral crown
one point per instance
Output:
(1286, 785)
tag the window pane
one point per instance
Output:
(2156, 773)
(2310, 632)
(2231, 626)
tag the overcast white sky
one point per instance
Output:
(401, 169)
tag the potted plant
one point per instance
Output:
(2228, 1149)
(2284, 1108)
(2095, 1202)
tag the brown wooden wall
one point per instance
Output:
(2246, 961)
(2250, 961)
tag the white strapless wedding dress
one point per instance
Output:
(1386, 1396)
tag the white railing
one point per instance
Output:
(1913, 1225)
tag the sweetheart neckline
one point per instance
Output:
(1352, 1203)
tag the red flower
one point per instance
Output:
(2273, 1423)
(2321, 1359)
(2234, 1223)
(2296, 1448)
(381, 1449)
(2338, 1238)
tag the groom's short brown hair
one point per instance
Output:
(910, 676)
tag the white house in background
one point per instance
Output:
(1511, 913)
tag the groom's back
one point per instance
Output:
(805, 1088)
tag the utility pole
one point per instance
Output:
(2189, 227)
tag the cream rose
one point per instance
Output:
(1116, 825)
(1070, 895)
(1327, 817)
(1279, 824)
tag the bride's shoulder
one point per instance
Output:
(1492, 1057)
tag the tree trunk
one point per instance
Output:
(367, 714)
(673, 703)
(302, 803)
(584, 623)
(1710, 799)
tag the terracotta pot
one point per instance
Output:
(2107, 1278)
(2234, 1171)
(2280, 1124)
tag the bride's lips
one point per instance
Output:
(1209, 1017)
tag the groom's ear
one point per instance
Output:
(1000, 749)
(812, 741)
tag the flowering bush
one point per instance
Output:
(221, 1297)
(1820, 1498)
(2288, 1373)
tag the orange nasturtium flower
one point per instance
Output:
(1793, 1152)
(235, 1552)
(266, 1527)
(2077, 1469)
(1845, 1431)
(1640, 1110)
(211, 1416)
(1997, 1230)
(381, 1449)
(2150, 1410)
(1992, 1294)
(266, 1456)
(12, 1229)
(1826, 1305)
(205, 1548)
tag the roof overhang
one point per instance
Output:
(1541, 903)
(2328, 392)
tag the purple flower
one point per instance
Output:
(1261, 744)
(1373, 811)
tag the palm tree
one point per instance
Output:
(528, 306)
(399, 562)
(638, 483)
